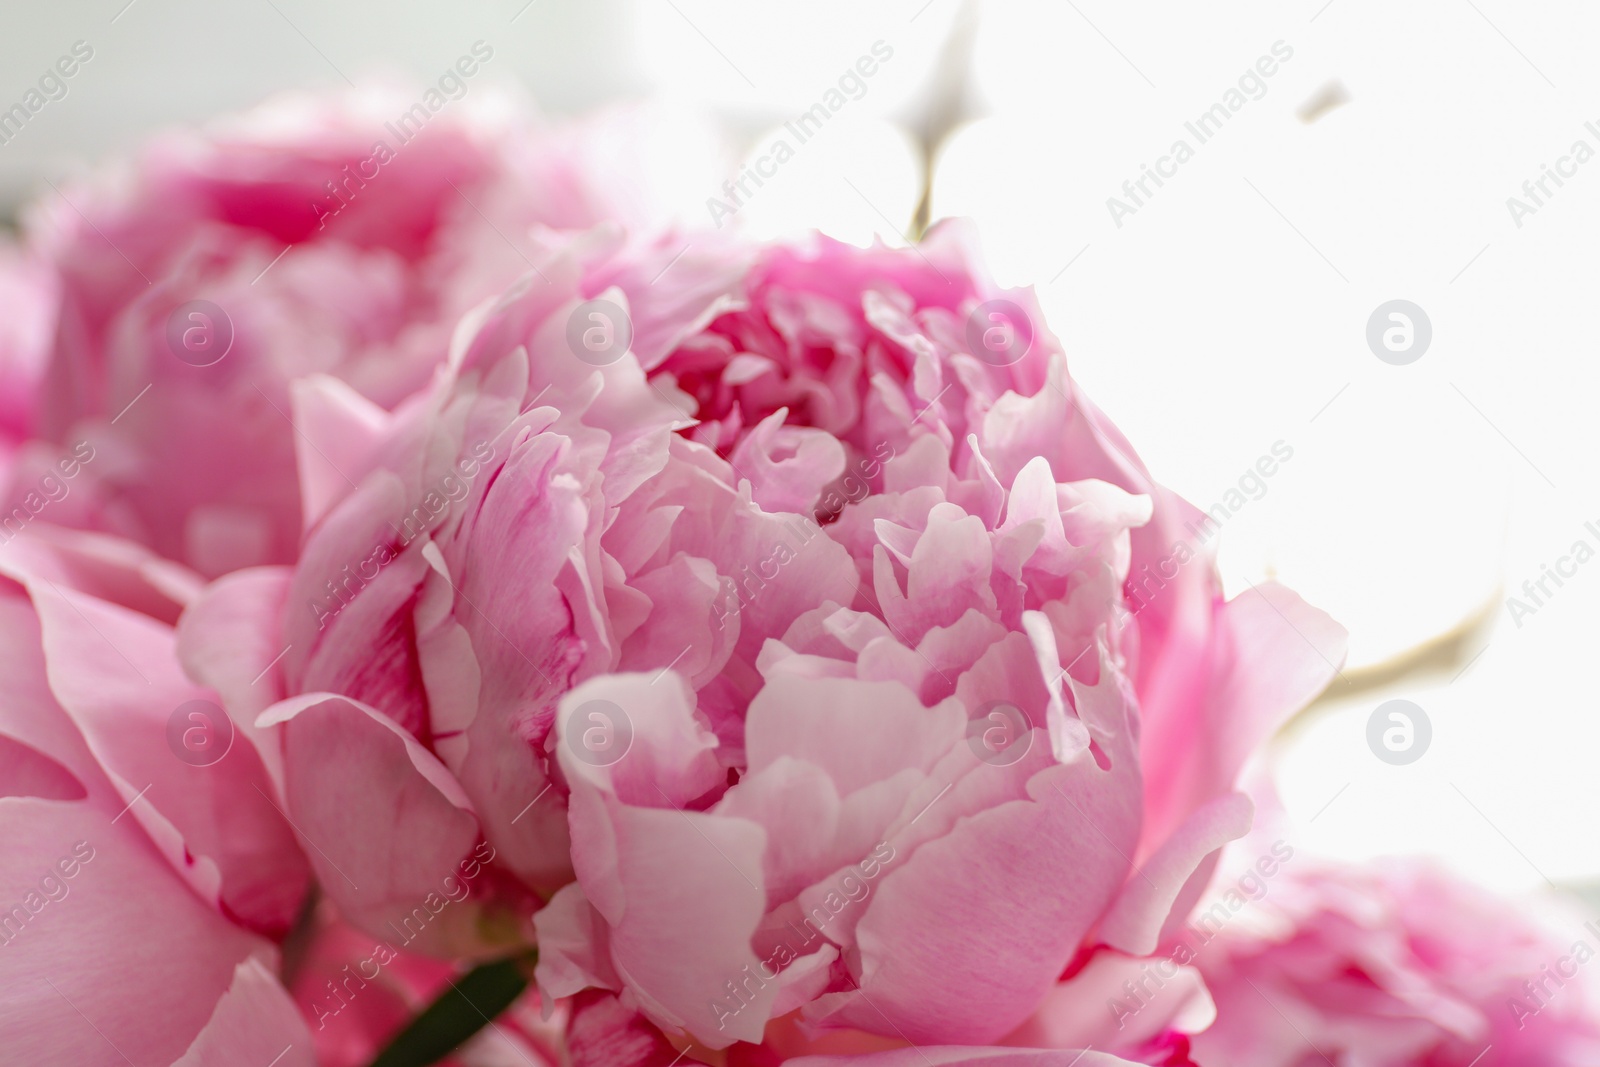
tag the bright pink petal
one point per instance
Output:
(604, 1033)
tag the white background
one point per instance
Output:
(1227, 314)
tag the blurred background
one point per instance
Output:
(1219, 315)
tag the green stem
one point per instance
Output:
(470, 1004)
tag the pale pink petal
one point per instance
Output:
(109, 568)
(521, 647)
(662, 870)
(344, 622)
(75, 985)
(1095, 1009)
(1271, 654)
(574, 945)
(116, 674)
(788, 466)
(887, 727)
(1013, 889)
(229, 639)
(254, 1022)
(1135, 921)
(336, 430)
(385, 824)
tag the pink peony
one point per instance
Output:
(27, 314)
(408, 654)
(306, 237)
(146, 872)
(891, 873)
(773, 623)
(28, 303)
(1395, 965)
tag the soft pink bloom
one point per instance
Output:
(798, 633)
(1399, 964)
(145, 873)
(401, 678)
(977, 548)
(322, 237)
(27, 315)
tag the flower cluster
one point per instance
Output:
(752, 632)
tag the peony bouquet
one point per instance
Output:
(452, 616)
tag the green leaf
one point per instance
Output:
(460, 1012)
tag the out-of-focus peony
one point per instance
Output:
(343, 237)
(787, 608)
(27, 314)
(145, 872)
(1399, 964)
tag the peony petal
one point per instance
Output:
(216, 825)
(1013, 888)
(604, 1033)
(386, 825)
(680, 919)
(336, 432)
(228, 639)
(967, 1056)
(75, 987)
(574, 945)
(108, 568)
(1135, 922)
(1094, 1008)
(254, 1022)
(1271, 654)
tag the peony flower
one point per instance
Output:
(146, 873)
(1398, 964)
(922, 757)
(772, 623)
(342, 238)
(399, 658)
